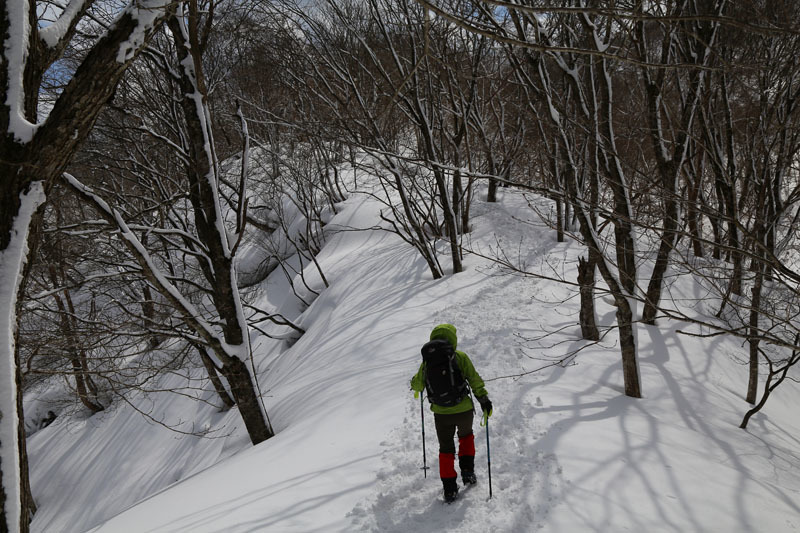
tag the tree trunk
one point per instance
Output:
(668, 241)
(627, 342)
(458, 200)
(754, 336)
(203, 176)
(227, 401)
(467, 205)
(623, 228)
(587, 314)
(243, 390)
(669, 169)
(692, 44)
(729, 188)
(771, 385)
(16, 502)
(27, 506)
(694, 209)
(450, 222)
(560, 224)
(67, 310)
(28, 503)
(757, 407)
(491, 195)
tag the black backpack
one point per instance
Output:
(444, 382)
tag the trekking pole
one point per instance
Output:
(488, 454)
(424, 456)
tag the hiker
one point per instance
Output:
(447, 375)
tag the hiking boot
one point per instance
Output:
(468, 478)
(450, 490)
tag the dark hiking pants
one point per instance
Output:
(447, 426)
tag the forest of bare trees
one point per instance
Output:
(145, 141)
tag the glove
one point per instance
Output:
(486, 405)
(416, 394)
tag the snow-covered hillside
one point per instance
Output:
(569, 452)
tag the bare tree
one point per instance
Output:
(181, 237)
(693, 42)
(594, 104)
(33, 154)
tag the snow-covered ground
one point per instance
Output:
(569, 452)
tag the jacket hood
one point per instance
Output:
(446, 332)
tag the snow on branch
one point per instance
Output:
(16, 52)
(54, 34)
(12, 263)
(147, 14)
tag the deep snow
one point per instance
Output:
(569, 452)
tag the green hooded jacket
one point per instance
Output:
(448, 333)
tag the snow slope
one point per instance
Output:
(569, 452)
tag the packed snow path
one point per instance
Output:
(526, 481)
